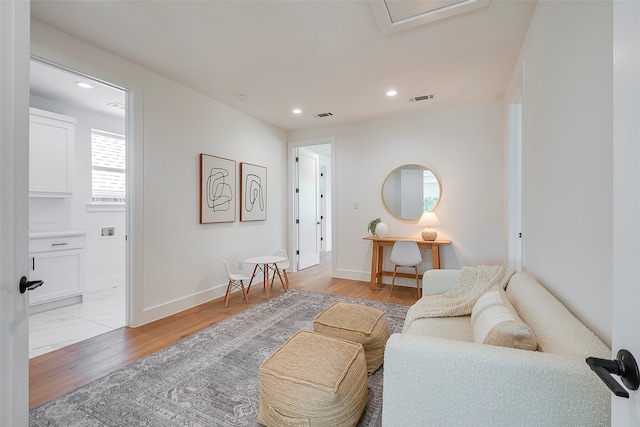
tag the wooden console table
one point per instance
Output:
(378, 250)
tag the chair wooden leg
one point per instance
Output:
(226, 296)
(282, 282)
(417, 281)
(244, 292)
(393, 279)
(285, 285)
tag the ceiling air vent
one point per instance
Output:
(118, 105)
(321, 115)
(421, 98)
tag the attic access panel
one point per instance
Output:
(396, 15)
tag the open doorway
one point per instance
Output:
(312, 201)
(78, 236)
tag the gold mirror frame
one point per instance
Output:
(409, 179)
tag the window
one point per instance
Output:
(108, 168)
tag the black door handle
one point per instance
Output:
(26, 285)
(624, 365)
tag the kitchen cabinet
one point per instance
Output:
(51, 154)
(57, 258)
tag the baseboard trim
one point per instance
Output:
(365, 276)
(160, 311)
(105, 282)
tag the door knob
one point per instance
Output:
(26, 285)
(624, 365)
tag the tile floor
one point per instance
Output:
(102, 310)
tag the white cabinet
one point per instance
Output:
(51, 154)
(57, 258)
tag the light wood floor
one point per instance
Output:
(61, 371)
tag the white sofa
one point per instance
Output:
(435, 375)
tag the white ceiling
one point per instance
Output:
(53, 82)
(317, 55)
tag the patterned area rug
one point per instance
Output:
(209, 378)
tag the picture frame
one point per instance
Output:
(253, 192)
(217, 189)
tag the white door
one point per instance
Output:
(14, 178)
(626, 197)
(308, 208)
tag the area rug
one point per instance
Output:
(209, 378)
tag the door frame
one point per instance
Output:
(14, 202)
(134, 273)
(293, 145)
(127, 120)
(626, 198)
(516, 174)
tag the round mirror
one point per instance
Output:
(410, 190)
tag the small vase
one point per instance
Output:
(382, 230)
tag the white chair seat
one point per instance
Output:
(406, 253)
(236, 281)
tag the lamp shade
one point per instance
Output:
(428, 219)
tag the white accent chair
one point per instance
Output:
(282, 266)
(406, 253)
(236, 281)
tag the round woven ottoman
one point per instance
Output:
(358, 323)
(313, 380)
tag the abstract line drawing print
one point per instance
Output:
(217, 189)
(253, 192)
(253, 197)
(219, 194)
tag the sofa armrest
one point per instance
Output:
(433, 381)
(438, 281)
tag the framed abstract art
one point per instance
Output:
(253, 192)
(217, 189)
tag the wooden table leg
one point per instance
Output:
(380, 260)
(252, 276)
(374, 264)
(266, 280)
(435, 256)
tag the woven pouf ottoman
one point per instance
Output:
(313, 380)
(358, 323)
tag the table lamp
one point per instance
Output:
(429, 219)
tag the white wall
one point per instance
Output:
(105, 256)
(178, 261)
(463, 146)
(568, 156)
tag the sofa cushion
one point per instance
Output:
(556, 329)
(494, 321)
(454, 328)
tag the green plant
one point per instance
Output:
(372, 226)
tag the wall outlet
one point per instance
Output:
(107, 232)
(240, 265)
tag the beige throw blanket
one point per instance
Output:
(472, 282)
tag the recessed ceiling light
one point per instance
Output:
(392, 92)
(84, 85)
(296, 111)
